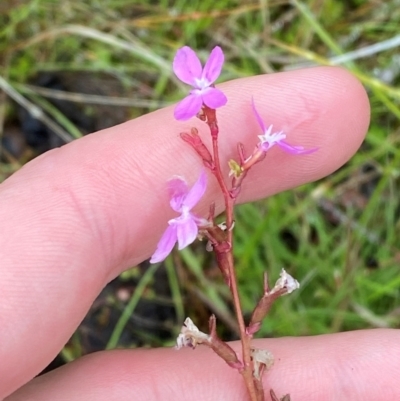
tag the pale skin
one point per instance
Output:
(77, 216)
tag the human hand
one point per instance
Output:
(75, 217)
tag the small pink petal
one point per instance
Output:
(165, 244)
(187, 66)
(187, 231)
(188, 107)
(214, 64)
(197, 191)
(295, 150)
(258, 117)
(214, 98)
(177, 190)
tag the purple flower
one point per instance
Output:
(269, 139)
(184, 228)
(187, 68)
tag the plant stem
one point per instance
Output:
(247, 371)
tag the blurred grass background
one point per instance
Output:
(80, 66)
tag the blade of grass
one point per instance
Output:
(333, 46)
(34, 110)
(130, 307)
(56, 114)
(135, 48)
(175, 290)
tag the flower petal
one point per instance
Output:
(214, 98)
(188, 107)
(258, 117)
(165, 244)
(187, 231)
(295, 150)
(269, 139)
(196, 192)
(214, 64)
(186, 65)
(177, 190)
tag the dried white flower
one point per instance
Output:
(287, 282)
(190, 335)
(262, 359)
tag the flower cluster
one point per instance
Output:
(187, 67)
(202, 101)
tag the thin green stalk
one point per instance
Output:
(175, 290)
(130, 307)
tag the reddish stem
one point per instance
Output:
(247, 371)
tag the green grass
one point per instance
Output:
(340, 236)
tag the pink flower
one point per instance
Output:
(269, 139)
(187, 68)
(184, 228)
